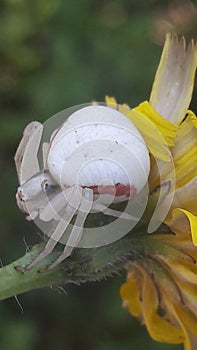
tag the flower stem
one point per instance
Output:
(14, 282)
(84, 265)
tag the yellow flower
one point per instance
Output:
(161, 286)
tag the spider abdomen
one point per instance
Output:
(98, 147)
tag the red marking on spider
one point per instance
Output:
(117, 190)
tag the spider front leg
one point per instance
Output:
(111, 212)
(56, 204)
(45, 151)
(26, 160)
(73, 195)
(76, 233)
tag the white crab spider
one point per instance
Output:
(96, 157)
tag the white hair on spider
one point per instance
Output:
(95, 158)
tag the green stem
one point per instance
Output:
(14, 282)
(84, 265)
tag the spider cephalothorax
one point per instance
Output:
(95, 158)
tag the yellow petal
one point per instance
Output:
(175, 311)
(193, 224)
(167, 129)
(178, 223)
(159, 327)
(130, 295)
(186, 196)
(184, 270)
(192, 342)
(112, 103)
(185, 151)
(173, 85)
(188, 288)
(188, 318)
(153, 137)
(179, 313)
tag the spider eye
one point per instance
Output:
(44, 185)
(20, 196)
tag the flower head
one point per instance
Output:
(161, 286)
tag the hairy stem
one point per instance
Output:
(84, 265)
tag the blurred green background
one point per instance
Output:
(55, 54)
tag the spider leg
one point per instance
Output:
(59, 231)
(45, 151)
(76, 233)
(26, 154)
(56, 204)
(112, 212)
